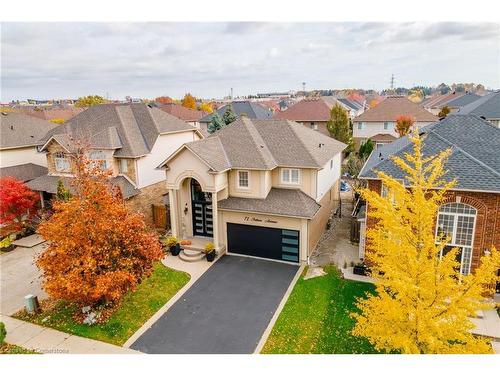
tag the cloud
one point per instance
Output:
(55, 60)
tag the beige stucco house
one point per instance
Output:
(130, 140)
(263, 188)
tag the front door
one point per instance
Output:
(201, 203)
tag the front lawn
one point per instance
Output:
(136, 308)
(315, 319)
(14, 349)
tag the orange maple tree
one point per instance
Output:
(404, 124)
(164, 100)
(97, 248)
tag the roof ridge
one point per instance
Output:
(289, 122)
(444, 139)
(254, 133)
(121, 123)
(224, 152)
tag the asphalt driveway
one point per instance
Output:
(225, 311)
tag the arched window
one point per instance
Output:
(457, 222)
(61, 162)
(98, 159)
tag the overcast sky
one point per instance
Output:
(61, 60)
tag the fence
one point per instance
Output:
(161, 216)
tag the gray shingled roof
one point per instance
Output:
(23, 172)
(130, 129)
(49, 183)
(20, 130)
(462, 100)
(250, 109)
(284, 202)
(488, 107)
(265, 144)
(474, 161)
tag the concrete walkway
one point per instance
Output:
(49, 341)
(30, 241)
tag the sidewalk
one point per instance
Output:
(50, 341)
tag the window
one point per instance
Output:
(98, 159)
(123, 166)
(290, 176)
(314, 126)
(386, 125)
(62, 163)
(384, 191)
(331, 164)
(361, 125)
(243, 181)
(456, 222)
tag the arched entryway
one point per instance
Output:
(201, 203)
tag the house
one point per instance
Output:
(487, 107)
(19, 139)
(470, 216)
(191, 116)
(379, 123)
(352, 107)
(455, 104)
(130, 140)
(263, 188)
(248, 109)
(53, 113)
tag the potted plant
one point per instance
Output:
(360, 269)
(6, 243)
(172, 245)
(210, 251)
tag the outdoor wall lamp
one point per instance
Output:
(186, 209)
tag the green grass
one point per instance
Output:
(136, 308)
(14, 349)
(315, 319)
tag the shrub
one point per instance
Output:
(209, 247)
(3, 333)
(170, 241)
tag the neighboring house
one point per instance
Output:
(263, 188)
(487, 107)
(455, 104)
(435, 103)
(247, 109)
(130, 140)
(352, 107)
(470, 215)
(19, 139)
(54, 113)
(379, 123)
(191, 116)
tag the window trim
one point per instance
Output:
(60, 156)
(386, 125)
(452, 242)
(361, 125)
(289, 182)
(103, 161)
(239, 181)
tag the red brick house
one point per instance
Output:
(470, 216)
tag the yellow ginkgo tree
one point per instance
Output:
(422, 303)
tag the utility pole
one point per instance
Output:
(392, 82)
(231, 93)
(304, 88)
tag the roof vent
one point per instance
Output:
(380, 156)
(321, 145)
(12, 127)
(4, 113)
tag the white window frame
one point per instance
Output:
(289, 180)
(361, 125)
(452, 242)
(101, 161)
(386, 125)
(247, 178)
(314, 126)
(123, 166)
(59, 158)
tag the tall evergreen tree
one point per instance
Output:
(216, 123)
(229, 115)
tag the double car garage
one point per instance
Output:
(263, 242)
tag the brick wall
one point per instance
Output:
(317, 225)
(152, 194)
(487, 231)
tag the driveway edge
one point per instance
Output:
(277, 313)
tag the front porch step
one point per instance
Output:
(194, 247)
(188, 255)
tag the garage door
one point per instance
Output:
(263, 242)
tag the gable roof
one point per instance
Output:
(249, 109)
(20, 130)
(52, 113)
(439, 100)
(394, 106)
(314, 109)
(264, 145)
(181, 112)
(488, 106)
(474, 161)
(462, 100)
(130, 129)
(23, 172)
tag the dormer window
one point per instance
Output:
(62, 163)
(290, 176)
(98, 159)
(243, 180)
